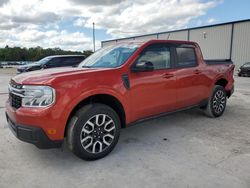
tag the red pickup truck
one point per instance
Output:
(115, 87)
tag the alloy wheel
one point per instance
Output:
(97, 133)
(219, 101)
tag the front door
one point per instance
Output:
(153, 92)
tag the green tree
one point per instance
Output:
(34, 54)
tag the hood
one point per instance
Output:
(29, 65)
(44, 77)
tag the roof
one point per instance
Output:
(141, 43)
(186, 29)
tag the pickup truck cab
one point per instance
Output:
(115, 87)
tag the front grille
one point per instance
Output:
(15, 101)
(15, 94)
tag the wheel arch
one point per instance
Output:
(221, 82)
(106, 99)
(224, 83)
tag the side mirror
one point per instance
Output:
(44, 66)
(142, 66)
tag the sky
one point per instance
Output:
(67, 24)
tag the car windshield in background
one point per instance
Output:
(110, 56)
(247, 65)
(43, 61)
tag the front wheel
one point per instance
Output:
(217, 102)
(93, 131)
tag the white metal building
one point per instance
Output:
(220, 41)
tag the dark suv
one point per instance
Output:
(51, 62)
(244, 70)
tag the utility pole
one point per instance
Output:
(94, 36)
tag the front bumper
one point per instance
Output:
(19, 71)
(33, 135)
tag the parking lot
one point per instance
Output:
(185, 149)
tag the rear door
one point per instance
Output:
(53, 62)
(153, 92)
(189, 77)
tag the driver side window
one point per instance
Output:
(159, 56)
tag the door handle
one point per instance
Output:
(167, 76)
(197, 71)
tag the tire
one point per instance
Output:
(217, 102)
(93, 131)
(239, 75)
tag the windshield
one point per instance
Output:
(247, 65)
(110, 56)
(43, 61)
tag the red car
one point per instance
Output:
(115, 87)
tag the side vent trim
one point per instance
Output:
(126, 82)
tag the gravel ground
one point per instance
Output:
(184, 149)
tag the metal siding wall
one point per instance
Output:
(144, 38)
(107, 43)
(216, 44)
(118, 40)
(126, 40)
(181, 35)
(241, 43)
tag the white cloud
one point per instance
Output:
(39, 22)
(80, 22)
(35, 23)
(37, 19)
(140, 17)
(49, 39)
(97, 2)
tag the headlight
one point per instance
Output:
(37, 96)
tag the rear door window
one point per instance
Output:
(64, 61)
(54, 62)
(186, 57)
(71, 61)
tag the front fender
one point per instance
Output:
(98, 91)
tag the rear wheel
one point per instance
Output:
(217, 102)
(93, 132)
